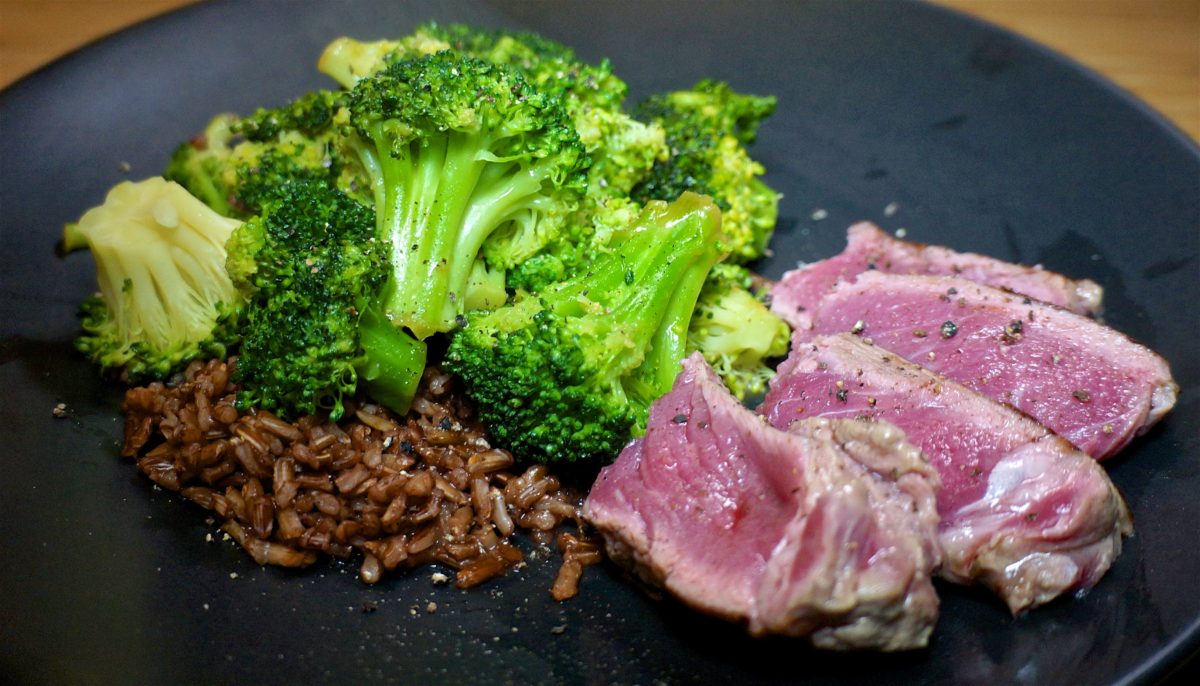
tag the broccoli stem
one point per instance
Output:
(392, 361)
(669, 346)
(677, 246)
(436, 202)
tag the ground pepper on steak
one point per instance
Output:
(403, 492)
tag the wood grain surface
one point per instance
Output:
(1149, 47)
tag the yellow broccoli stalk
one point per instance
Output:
(164, 291)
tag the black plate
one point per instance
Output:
(984, 141)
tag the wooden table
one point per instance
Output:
(1149, 47)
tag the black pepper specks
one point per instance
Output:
(680, 419)
(843, 394)
(1013, 331)
(1081, 395)
(949, 329)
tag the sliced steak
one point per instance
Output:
(828, 530)
(1022, 511)
(1088, 383)
(869, 248)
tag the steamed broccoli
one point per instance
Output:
(312, 327)
(569, 374)
(622, 150)
(736, 332)
(165, 298)
(550, 66)
(707, 130)
(458, 150)
(237, 161)
(206, 167)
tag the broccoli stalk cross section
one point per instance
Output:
(165, 298)
(455, 150)
(570, 374)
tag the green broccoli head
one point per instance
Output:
(622, 150)
(165, 298)
(236, 162)
(712, 106)
(707, 129)
(458, 150)
(312, 114)
(550, 66)
(310, 329)
(348, 61)
(570, 373)
(206, 166)
(736, 332)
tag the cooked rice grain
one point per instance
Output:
(403, 492)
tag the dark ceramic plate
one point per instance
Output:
(984, 142)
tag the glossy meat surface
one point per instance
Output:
(827, 530)
(869, 248)
(1022, 511)
(1088, 383)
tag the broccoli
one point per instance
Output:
(237, 162)
(570, 373)
(165, 298)
(206, 167)
(312, 327)
(622, 149)
(707, 129)
(348, 61)
(457, 150)
(736, 332)
(550, 66)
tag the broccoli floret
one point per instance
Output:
(348, 61)
(736, 332)
(165, 298)
(622, 149)
(206, 167)
(570, 373)
(458, 150)
(550, 66)
(707, 129)
(236, 162)
(312, 327)
(311, 114)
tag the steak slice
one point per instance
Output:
(870, 248)
(828, 530)
(1022, 511)
(1088, 383)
